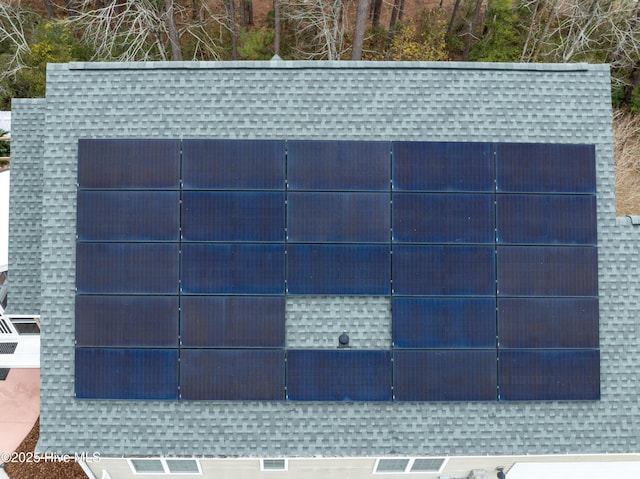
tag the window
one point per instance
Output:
(273, 465)
(401, 465)
(164, 466)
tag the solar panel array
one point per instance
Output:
(187, 250)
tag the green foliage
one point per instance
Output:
(5, 146)
(51, 42)
(634, 104)
(256, 44)
(502, 40)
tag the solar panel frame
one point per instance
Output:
(232, 321)
(548, 322)
(226, 216)
(252, 269)
(232, 374)
(129, 163)
(549, 374)
(339, 375)
(443, 166)
(442, 270)
(127, 268)
(546, 219)
(233, 164)
(338, 269)
(443, 218)
(545, 168)
(338, 165)
(126, 321)
(126, 373)
(444, 322)
(128, 216)
(445, 375)
(547, 271)
(338, 217)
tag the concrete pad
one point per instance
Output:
(19, 406)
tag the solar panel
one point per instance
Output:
(232, 321)
(547, 271)
(127, 268)
(444, 375)
(233, 164)
(338, 375)
(338, 269)
(338, 165)
(546, 219)
(548, 322)
(103, 373)
(232, 374)
(443, 270)
(137, 164)
(232, 269)
(128, 215)
(550, 168)
(538, 375)
(338, 217)
(443, 218)
(423, 166)
(131, 321)
(232, 216)
(444, 322)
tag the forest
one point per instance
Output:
(36, 32)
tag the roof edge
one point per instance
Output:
(329, 65)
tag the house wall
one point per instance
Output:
(330, 100)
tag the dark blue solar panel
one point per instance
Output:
(134, 268)
(530, 375)
(315, 375)
(444, 322)
(126, 373)
(233, 164)
(421, 166)
(548, 322)
(232, 269)
(338, 217)
(547, 219)
(443, 218)
(547, 168)
(338, 165)
(240, 375)
(443, 270)
(444, 375)
(137, 164)
(232, 216)
(128, 215)
(235, 321)
(130, 321)
(547, 271)
(338, 269)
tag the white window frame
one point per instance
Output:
(286, 464)
(407, 469)
(165, 466)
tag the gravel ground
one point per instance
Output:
(42, 469)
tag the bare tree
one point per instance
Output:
(276, 27)
(50, 10)
(320, 28)
(172, 32)
(472, 29)
(231, 24)
(13, 19)
(453, 18)
(246, 13)
(358, 33)
(376, 9)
